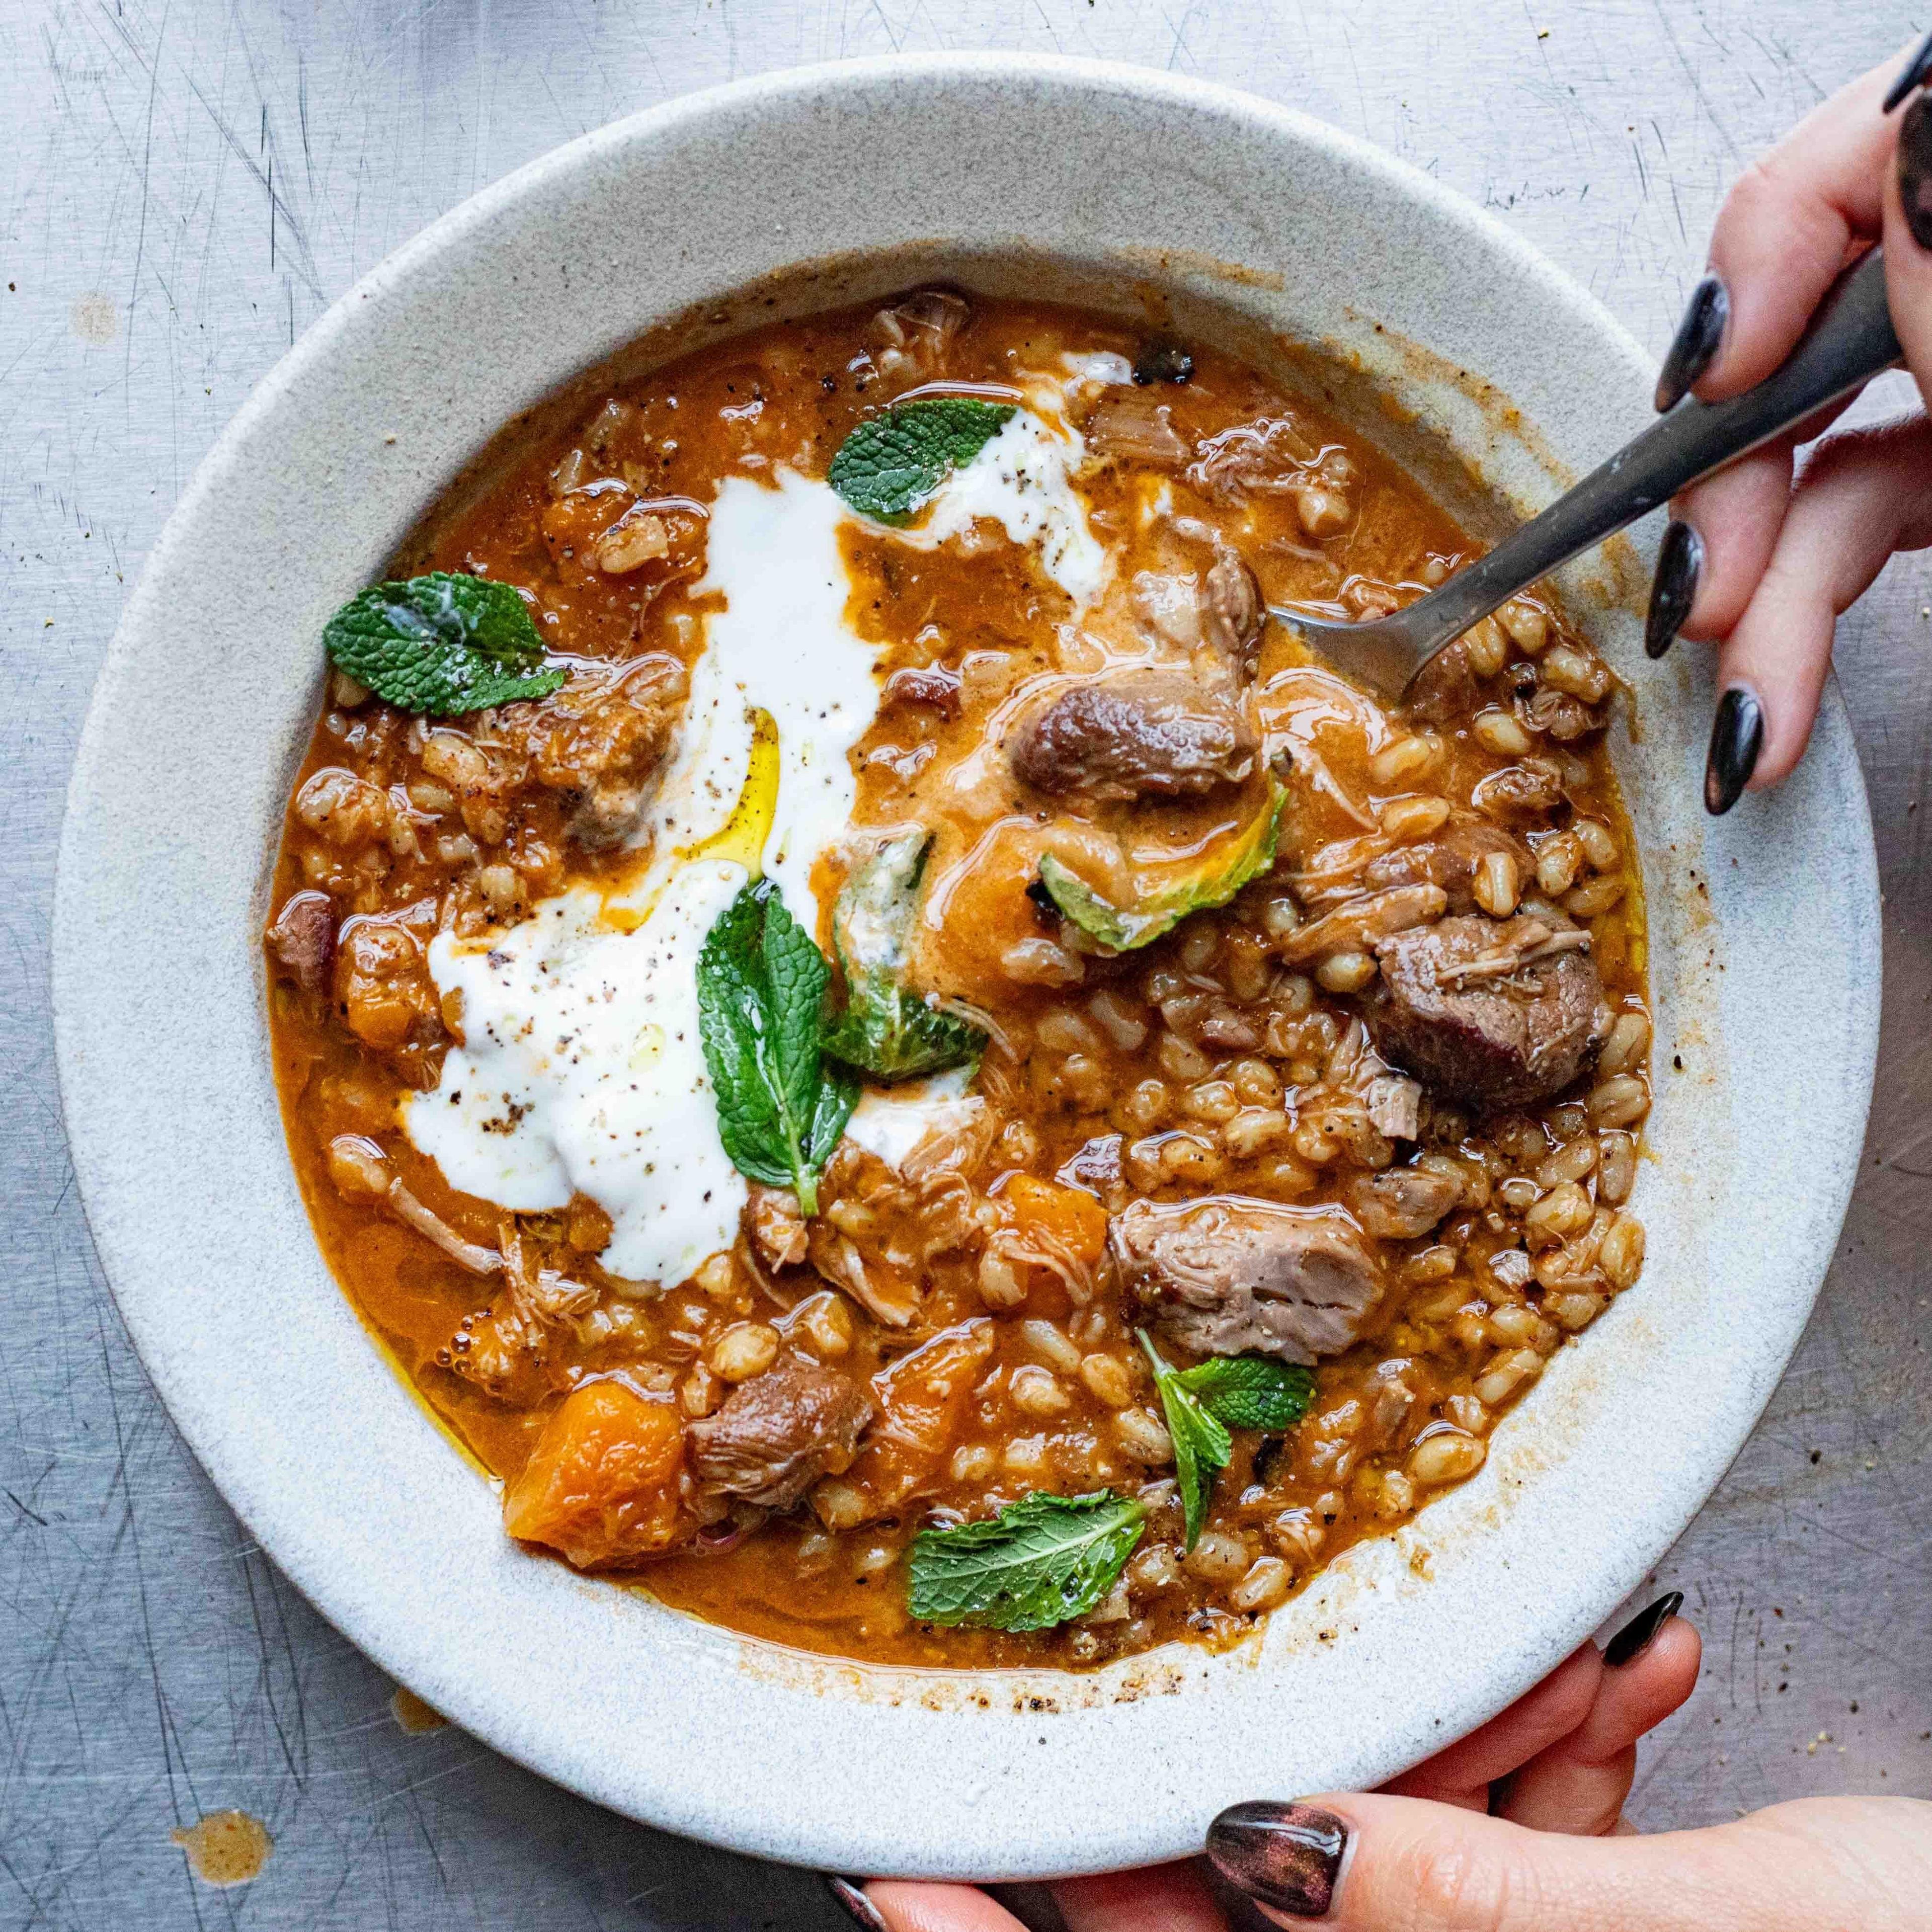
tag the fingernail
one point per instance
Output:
(1737, 736)
(1288, 1856)
(1915, 168)
(1680, 562)
(1163, 362)
(848, 1894)
(1636, 1637)
(1698, 336)
(1914, 74)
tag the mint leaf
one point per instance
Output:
(1040, 1561)
(441, 644)
(760, 995)
(1251, 1391)
(887, 1028)
(893, 462)
(1201, 1445)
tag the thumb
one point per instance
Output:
(1372, 1864)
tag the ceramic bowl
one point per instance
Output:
(1468, 356)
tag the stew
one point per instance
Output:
(903, 1063)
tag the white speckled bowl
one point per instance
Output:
(1050, 174)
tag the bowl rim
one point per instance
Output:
(1014, 1847)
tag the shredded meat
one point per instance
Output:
(604, 750)
(1445, 688)
(1498, 1013)
(885, 1291)
(778, 1433)
(1095, 1166)
(1364, 918)
(1533, 789)
(1131, 425)
(1392, 1100)
(776, 1225)
(1450, 860)
(1229, 1275)
(1271, 454)
(1556, 714)
(912, 337)
(1234, 607)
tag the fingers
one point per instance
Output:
(1864, 494)
(1578, 1784)
(1167, 1898)
(1567, 1747)
(1908, 241)
(1377, 1864)
(895, 1905)
(1462, 1774)
(1785, 230)
(1736, 516)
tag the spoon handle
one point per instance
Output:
(1850, 340)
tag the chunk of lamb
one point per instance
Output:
(1496, 1012)
(778, 1433)
(302, 938)
(1399, 1203)
(1230, 1275)
(1147, 734)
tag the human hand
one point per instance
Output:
(1559, 1760)
(1750, 561)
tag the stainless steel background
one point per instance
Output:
(185, 184)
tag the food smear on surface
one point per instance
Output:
(414, 1718)
(225, 1848)
(906, 1067)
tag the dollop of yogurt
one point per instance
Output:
(1021, 479)
(582, 1070)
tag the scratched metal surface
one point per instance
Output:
(184, 185)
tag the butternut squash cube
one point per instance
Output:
(602, 1484)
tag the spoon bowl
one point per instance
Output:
(1850, 340)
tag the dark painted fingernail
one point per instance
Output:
(1163, 362)
(1695, 347)
(1915, 168)
(1737, 736)
(1288, 1856)
(1680, 562)
(1916, 73)
(1636, 1637)
(848, 1894)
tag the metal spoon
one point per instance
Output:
(1850, 340)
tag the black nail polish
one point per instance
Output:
(1916, 73)
(1680, 562)
(1163, 362)
(1287, 1856)
(1915, 168)
(1737, 736)
(1696, 344)
(848, 1894)
(1636, 1637)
